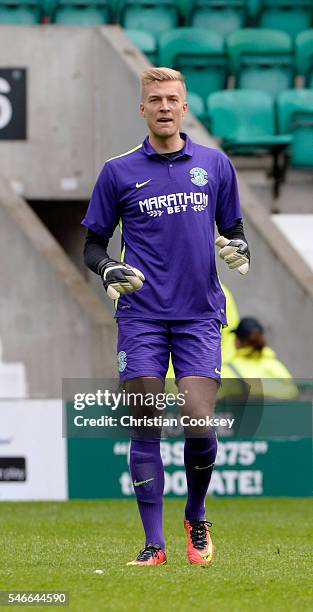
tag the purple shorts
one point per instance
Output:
(144, 348)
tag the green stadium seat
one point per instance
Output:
(199, 55)
(304, 56)
(81, 12)
(261, 59)
(253, 10)
(291, 16)
(295, 116)
(197, 107)
(222, 16)
(48, 7)
(184, 9)
(145, 42)
(23, 12)
(155, 16)
(195, 103)
(115, 8)
(245, 123)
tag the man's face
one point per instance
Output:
(163, 107)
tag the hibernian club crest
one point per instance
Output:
(198, 176)
(121, 361)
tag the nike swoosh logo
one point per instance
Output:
(136, 484)
(138, 185)
(206, 467)
(217, 371)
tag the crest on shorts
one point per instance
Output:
(121, 361)
(198, 176)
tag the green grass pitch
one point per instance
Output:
(263, 556)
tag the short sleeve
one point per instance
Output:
(228, 202)
(103, 213)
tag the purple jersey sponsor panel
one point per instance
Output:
(168, 209)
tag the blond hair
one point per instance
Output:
(150, 75)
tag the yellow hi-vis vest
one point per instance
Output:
(272, 379)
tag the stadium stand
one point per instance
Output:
(153, 16)
(146, 42)
(23, 12)
(290, 16)
(295, 117)
(198, 107)
(199, 54)
(304, 56)
(245, 121)
(222, 16)
(80, 12)
(261, 59)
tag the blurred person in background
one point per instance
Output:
(253, 359)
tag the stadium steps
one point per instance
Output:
(298, 229)
(295, 193)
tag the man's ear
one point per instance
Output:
(142, 109)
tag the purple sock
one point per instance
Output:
(147, 474)
(199, 456)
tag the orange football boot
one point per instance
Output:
(200, 546)
(152, 554)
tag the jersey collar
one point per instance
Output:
(186, 150)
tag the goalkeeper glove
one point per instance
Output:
(235, 252)
(119, 278)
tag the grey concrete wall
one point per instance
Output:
(49, 316)
(59, 151)
(78, 86)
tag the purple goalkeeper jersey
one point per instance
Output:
(167, 210)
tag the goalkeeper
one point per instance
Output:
(168, 192)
